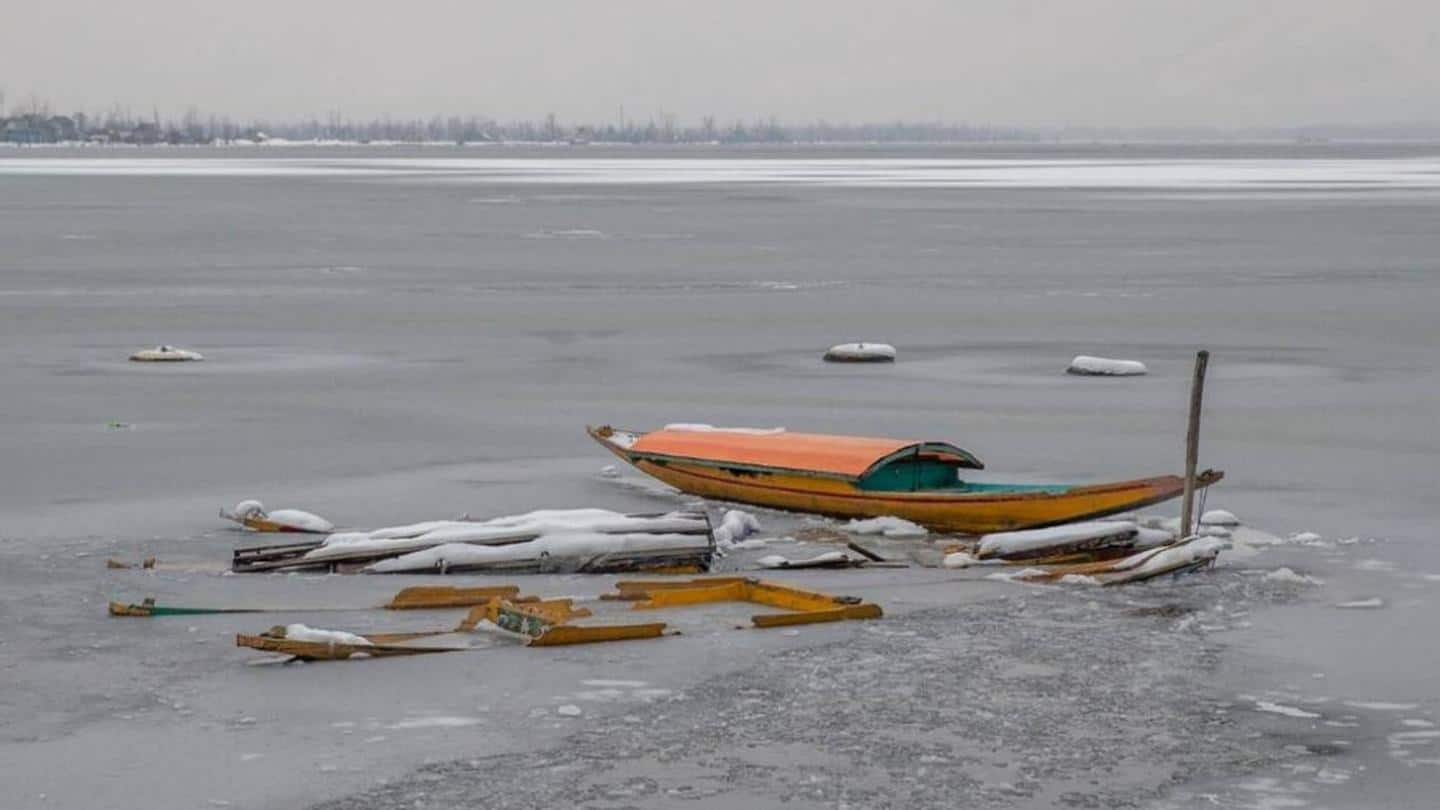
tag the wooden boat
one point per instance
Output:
(851, 476)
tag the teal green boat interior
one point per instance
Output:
(933, 475)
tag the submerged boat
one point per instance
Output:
(853, 476)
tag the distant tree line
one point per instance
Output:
(34, 123)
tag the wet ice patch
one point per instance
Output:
(1288, 577)
(434, 722)
(1281, 709)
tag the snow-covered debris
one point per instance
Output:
(510, 529)
(250, 511)
(700, 427)
(1146, 537)
(861, 353)
(567, 545)
(300, 632)
(1158, 562)
(166, 354)
(1219, 517)
(886, 525)
(1105, 367)
(1057, 539)
(829, 559)
(734, 527)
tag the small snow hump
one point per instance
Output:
(1088, 366)
(165, 354)
(861, 353)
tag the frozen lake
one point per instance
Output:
(400, 334)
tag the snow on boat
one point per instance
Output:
(165, 354)
(861, 353)
(857, 477)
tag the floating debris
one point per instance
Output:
(166, 354)
(861, 353)
(252, 515)
(1088, 366)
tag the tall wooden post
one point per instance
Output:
(1192, 443)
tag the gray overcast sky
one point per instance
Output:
(1022, 62)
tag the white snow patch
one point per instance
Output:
(609, 471)
(568, 710)
(166, 354)
(734, 527)
(1146, 537)
(1381, 706)
(1105, 367)
(1078, 579)
(1305, 538)
(860, 353)
(1289, 577)
(1219, 517)
(511, 529)
(1363, 604)
(887, 526)
(435, 722)
(614, 684)
(300, 632)
(1280, 708)
(300, 519)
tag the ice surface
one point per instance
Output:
(1363, 604)
(1105, 367)
(1280, 708)
(886, 525)
(300, 632)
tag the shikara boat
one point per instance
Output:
(858, 477)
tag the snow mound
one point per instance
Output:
(734, 527)
(1219, 517)
(1146, 537)
(300, 519)
(861, 353)
(1079, 579)
(700, 427)
(1289, 577)
(958, 559)
(1105, 367)
(1041, 542)
(300, 632)
(165, 354)
(887, 526)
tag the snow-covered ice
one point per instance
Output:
(1219, 517)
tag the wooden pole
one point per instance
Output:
(1192, 443)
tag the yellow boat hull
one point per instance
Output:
(977, 513)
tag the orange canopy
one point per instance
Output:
(848, 456)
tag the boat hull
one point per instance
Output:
(977, 513)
